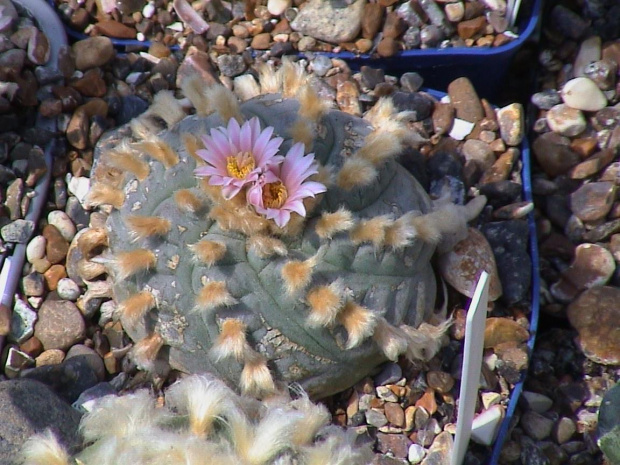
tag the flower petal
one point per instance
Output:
(296, 206)
(245, 138)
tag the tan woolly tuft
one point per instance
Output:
(256, 379)
(315, 417)
(159, 150)
(203, 399)
(193, 87)
(359, 322)
(224, 102)
(401, 233)
(293, 77)
(208, 252)
(427, 227)
(356, 172)
(192, 144)
(266, 246)
(102, 194)
(426, 340)
(89, 270)
(127, 264)
(372, 230)
(122, 157)
(239, 219)
(379, 147)
(92, 239)
(331, 224)
(302, 131)
(187, 201)
(325, 303)
(270, 81)
(136, 307)
(392, 340)
(167, 107)
(231, 342)
(143, 127)
(311, 106)
(325, 176)
(382, 113)
(298, 274)
(145, 351)
(141, 227)
(214, 294)
(44, 449)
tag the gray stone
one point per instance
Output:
(231, 65)
(33, 284)
(60, 325)
(321, 65)
(28, 407)
(68, 289)
(22, 322)
(324, 21)
(17, 231)
(536, 425)
(390, 374)
(376, 418)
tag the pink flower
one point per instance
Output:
(282, 189)
(237, 155)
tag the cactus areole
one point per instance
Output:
(239, 250)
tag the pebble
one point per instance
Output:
(598, 337)
(583, 94)
(56, 246)
(386, 394)
(511, 122)
(18, 231)
(60, 325)
(593, 201)
(461, 267)
(564, 430)
(68, 289)
(63, 223)
(465, 100)
(502, 330)
(485, 426)
(416, 453)
(565, 120)
(321, 65)
(93, 52)
(536, 402)
(50, 357)
(324, 21)
(390, 374)
(22, 322)
(376, 418)
(536, 425)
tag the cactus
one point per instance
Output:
(202, 422)
(208, 280)
(608, 427)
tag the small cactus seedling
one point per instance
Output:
(202, 422)
(272, 241)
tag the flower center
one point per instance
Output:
(274, 195)
(240, 165)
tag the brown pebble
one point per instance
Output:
(440, 381)
(50, 357)
(394, 414)
(50, 107)
(584, 146)
(53, 275)
(112, 365)
(56, 247)
(592, 201)
(469, 28)
(443, 118)
(500, 170)
(592, 165)
(32, 346)
(347, 98)
(388, 47)
(111, 28)
(371, 20)
(5, 320)
(428, 401)
(236, 44)
(500, 330)
(394, 26)
(553, 153)
(159, 50)
(91, 84)
(465, 100)
(261, 41)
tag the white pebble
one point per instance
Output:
(149, 10)
(461, 129)
(68, 289)
(64, 224)
(79, 186)
(35, 249)
(416, 453)
(486, 425)
(140, 36)
(583, 94)
(277, 7)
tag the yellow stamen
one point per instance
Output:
(274, 195)
(240, 165)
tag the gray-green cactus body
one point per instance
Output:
(398, 284)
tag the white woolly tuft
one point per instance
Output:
(193, 87)
(145, 351)
(44, 449)
(356, 172)
(382, 113)
(266, 246)
(379, 147)
(293, 78)
(425, 341)
(256, 378)
(338, 449)
(270, 80)
(224, 102)
(121, 417)
(167, 107)
(315, 417)
(393, 341)
(205, 399)
(402, 232)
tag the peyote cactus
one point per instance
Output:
(245, 258)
